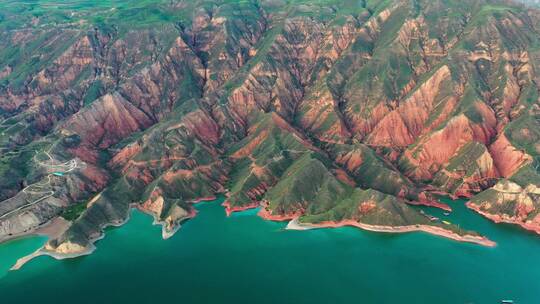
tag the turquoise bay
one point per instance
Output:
(244, 259)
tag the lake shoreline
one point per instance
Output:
(293, 224)
(213, 244)
(231, 209)
(90, 248)
(86, 250)
(51, 229)
(296, 225)
(499, 219)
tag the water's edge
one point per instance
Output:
(213, 254)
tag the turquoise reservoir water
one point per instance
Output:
(244, 259)
(11, 251)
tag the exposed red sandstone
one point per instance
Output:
(324, 83)
(267, 214)
(106, 122)
(366, 207)
(351, 160)
(122, 157)
(230, 209)
(344, 177)
(424, 201)
(507, 158)
(402, 126)
(436, 150)
(63, 71)
(533, 225)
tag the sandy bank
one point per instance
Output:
(54, 229)
(296, 225)
(80, 250)
(59, 256)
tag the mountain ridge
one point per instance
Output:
(325, 111)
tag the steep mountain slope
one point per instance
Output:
(326, 112)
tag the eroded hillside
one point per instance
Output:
(325, 112)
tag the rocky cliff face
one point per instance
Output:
(333, 112)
